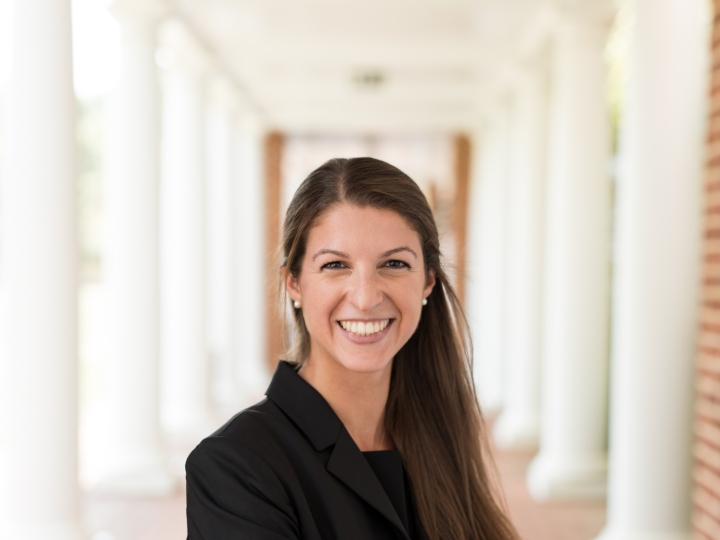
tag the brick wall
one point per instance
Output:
(706, 518)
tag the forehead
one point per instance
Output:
(365, 228)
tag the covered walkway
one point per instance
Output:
(567, 147)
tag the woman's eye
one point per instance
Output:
(397, 264)
(333, 265)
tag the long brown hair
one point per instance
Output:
(432, 413)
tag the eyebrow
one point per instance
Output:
(331, 251)
(396, 250)
(346, 256)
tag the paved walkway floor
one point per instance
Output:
(545, 521)
(128, 518)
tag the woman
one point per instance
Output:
(371, 429)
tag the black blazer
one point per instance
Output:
(287, 469)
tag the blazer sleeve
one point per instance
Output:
(234, 494)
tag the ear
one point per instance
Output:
(430, 283)
(291, 284)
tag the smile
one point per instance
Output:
(364, 328)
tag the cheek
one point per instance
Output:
(409, 303)
(412, 315)
(319, 303)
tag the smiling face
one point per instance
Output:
(361, 287)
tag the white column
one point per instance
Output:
(185, 381)
(6, 36)
(39, 276)
(572, 458)
(251, 268)
(220, 208)
(486, 260)
(135, 462)
(518, 426)
(657, 279)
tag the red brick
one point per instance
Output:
(700, 535)
(708, 385)
(709, 409)
(710, 314)
(706, 431)
(707, 501)
(709, 340)
(706, 524)
(708, 456)
(708, 359)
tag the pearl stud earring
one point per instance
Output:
(424, 301)
(296, 303)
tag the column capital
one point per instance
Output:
(500, 89)
(189, 54)
(139, 11)
(221, 92)
(252, 122)
(521, 75)
(600, 12)
(535, 39)
(494, 115)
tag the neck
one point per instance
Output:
(358, 399)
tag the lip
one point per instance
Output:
(366, 340)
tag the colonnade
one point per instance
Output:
(182, 218)
(595, 311)
(569, 307)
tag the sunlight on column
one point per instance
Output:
(96, 48)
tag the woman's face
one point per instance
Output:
(361, 287)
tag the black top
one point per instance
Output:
(389, 470)
(287, 469)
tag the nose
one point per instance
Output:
(365, 291)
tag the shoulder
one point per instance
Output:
(248, 436)
(248, 421)
(234, 483)
(241, 457)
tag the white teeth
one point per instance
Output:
(362, 328)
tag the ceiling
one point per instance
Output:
(363, 66)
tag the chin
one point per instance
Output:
(366, 363)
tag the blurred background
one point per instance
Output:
(570, 150)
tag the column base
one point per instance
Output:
(147, 483)
(253, 379)
(490, 403)
(138, 473)
(610, 533)
(516, 432)
(44, 531)
(582, 477)
(490, 409)
(489, 397)
(193, 431)
(225, 394)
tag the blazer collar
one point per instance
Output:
(304, 406)
(315, 418)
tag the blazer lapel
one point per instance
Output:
(348, 465)
(316, 419)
